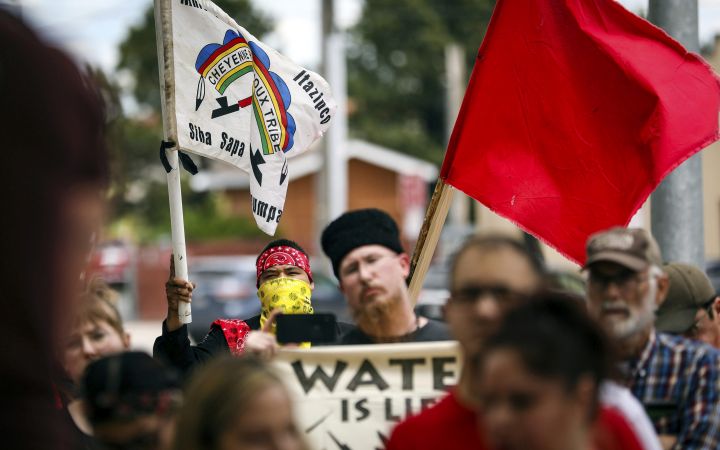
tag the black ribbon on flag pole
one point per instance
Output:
(187, 162)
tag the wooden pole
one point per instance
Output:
(163, 36)
(429, 235)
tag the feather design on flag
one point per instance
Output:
(239, 101)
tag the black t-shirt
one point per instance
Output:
(433, 330)
(173, 347)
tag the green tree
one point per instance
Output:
(396, 69)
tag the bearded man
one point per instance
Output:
(677, 380)
(372, 267)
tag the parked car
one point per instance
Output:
(226, 289)
(114, 262)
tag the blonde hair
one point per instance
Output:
(214, 397)
(98, 304)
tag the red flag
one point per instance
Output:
(575, 111)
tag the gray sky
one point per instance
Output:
(92, 29)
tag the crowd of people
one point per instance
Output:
(633, 363)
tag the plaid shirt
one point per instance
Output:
(678, 382)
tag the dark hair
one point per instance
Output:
(51, 121)
(282, 242)
(708, 307)
(555, 339)
(491, 242)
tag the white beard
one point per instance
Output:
(638, 319)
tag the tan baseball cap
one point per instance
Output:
(633, 248)
(689, 290)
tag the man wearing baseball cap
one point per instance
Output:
(372, 267)
(285, 284)
(692, 306)
(677, 380)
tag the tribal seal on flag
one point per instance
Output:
(239, 101)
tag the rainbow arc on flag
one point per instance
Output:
(222, 64)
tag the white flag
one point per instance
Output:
(239, 101)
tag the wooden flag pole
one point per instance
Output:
(163, 36)
(435, 216)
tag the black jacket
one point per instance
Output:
(173, 347)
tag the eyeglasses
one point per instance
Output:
(624, 279)
(470, 294)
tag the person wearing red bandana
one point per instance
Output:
(285, 284)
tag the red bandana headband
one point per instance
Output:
(280, 256)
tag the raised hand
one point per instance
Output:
(176, 290)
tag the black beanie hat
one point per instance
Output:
(357, 228)
(126, 385)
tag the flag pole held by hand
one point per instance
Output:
(163, 27)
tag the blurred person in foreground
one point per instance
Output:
(51, 123)
(284, 283)
(489, 276)
(676, 379)
(692, 307)
(97, 331)
(371, 265)
(237, 404)
(539, 380)
(131, 401)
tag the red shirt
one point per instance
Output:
(447, 425)
(611, 431)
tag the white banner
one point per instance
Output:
(239, 101)
(350, 397)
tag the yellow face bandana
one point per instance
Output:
(292, 296)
